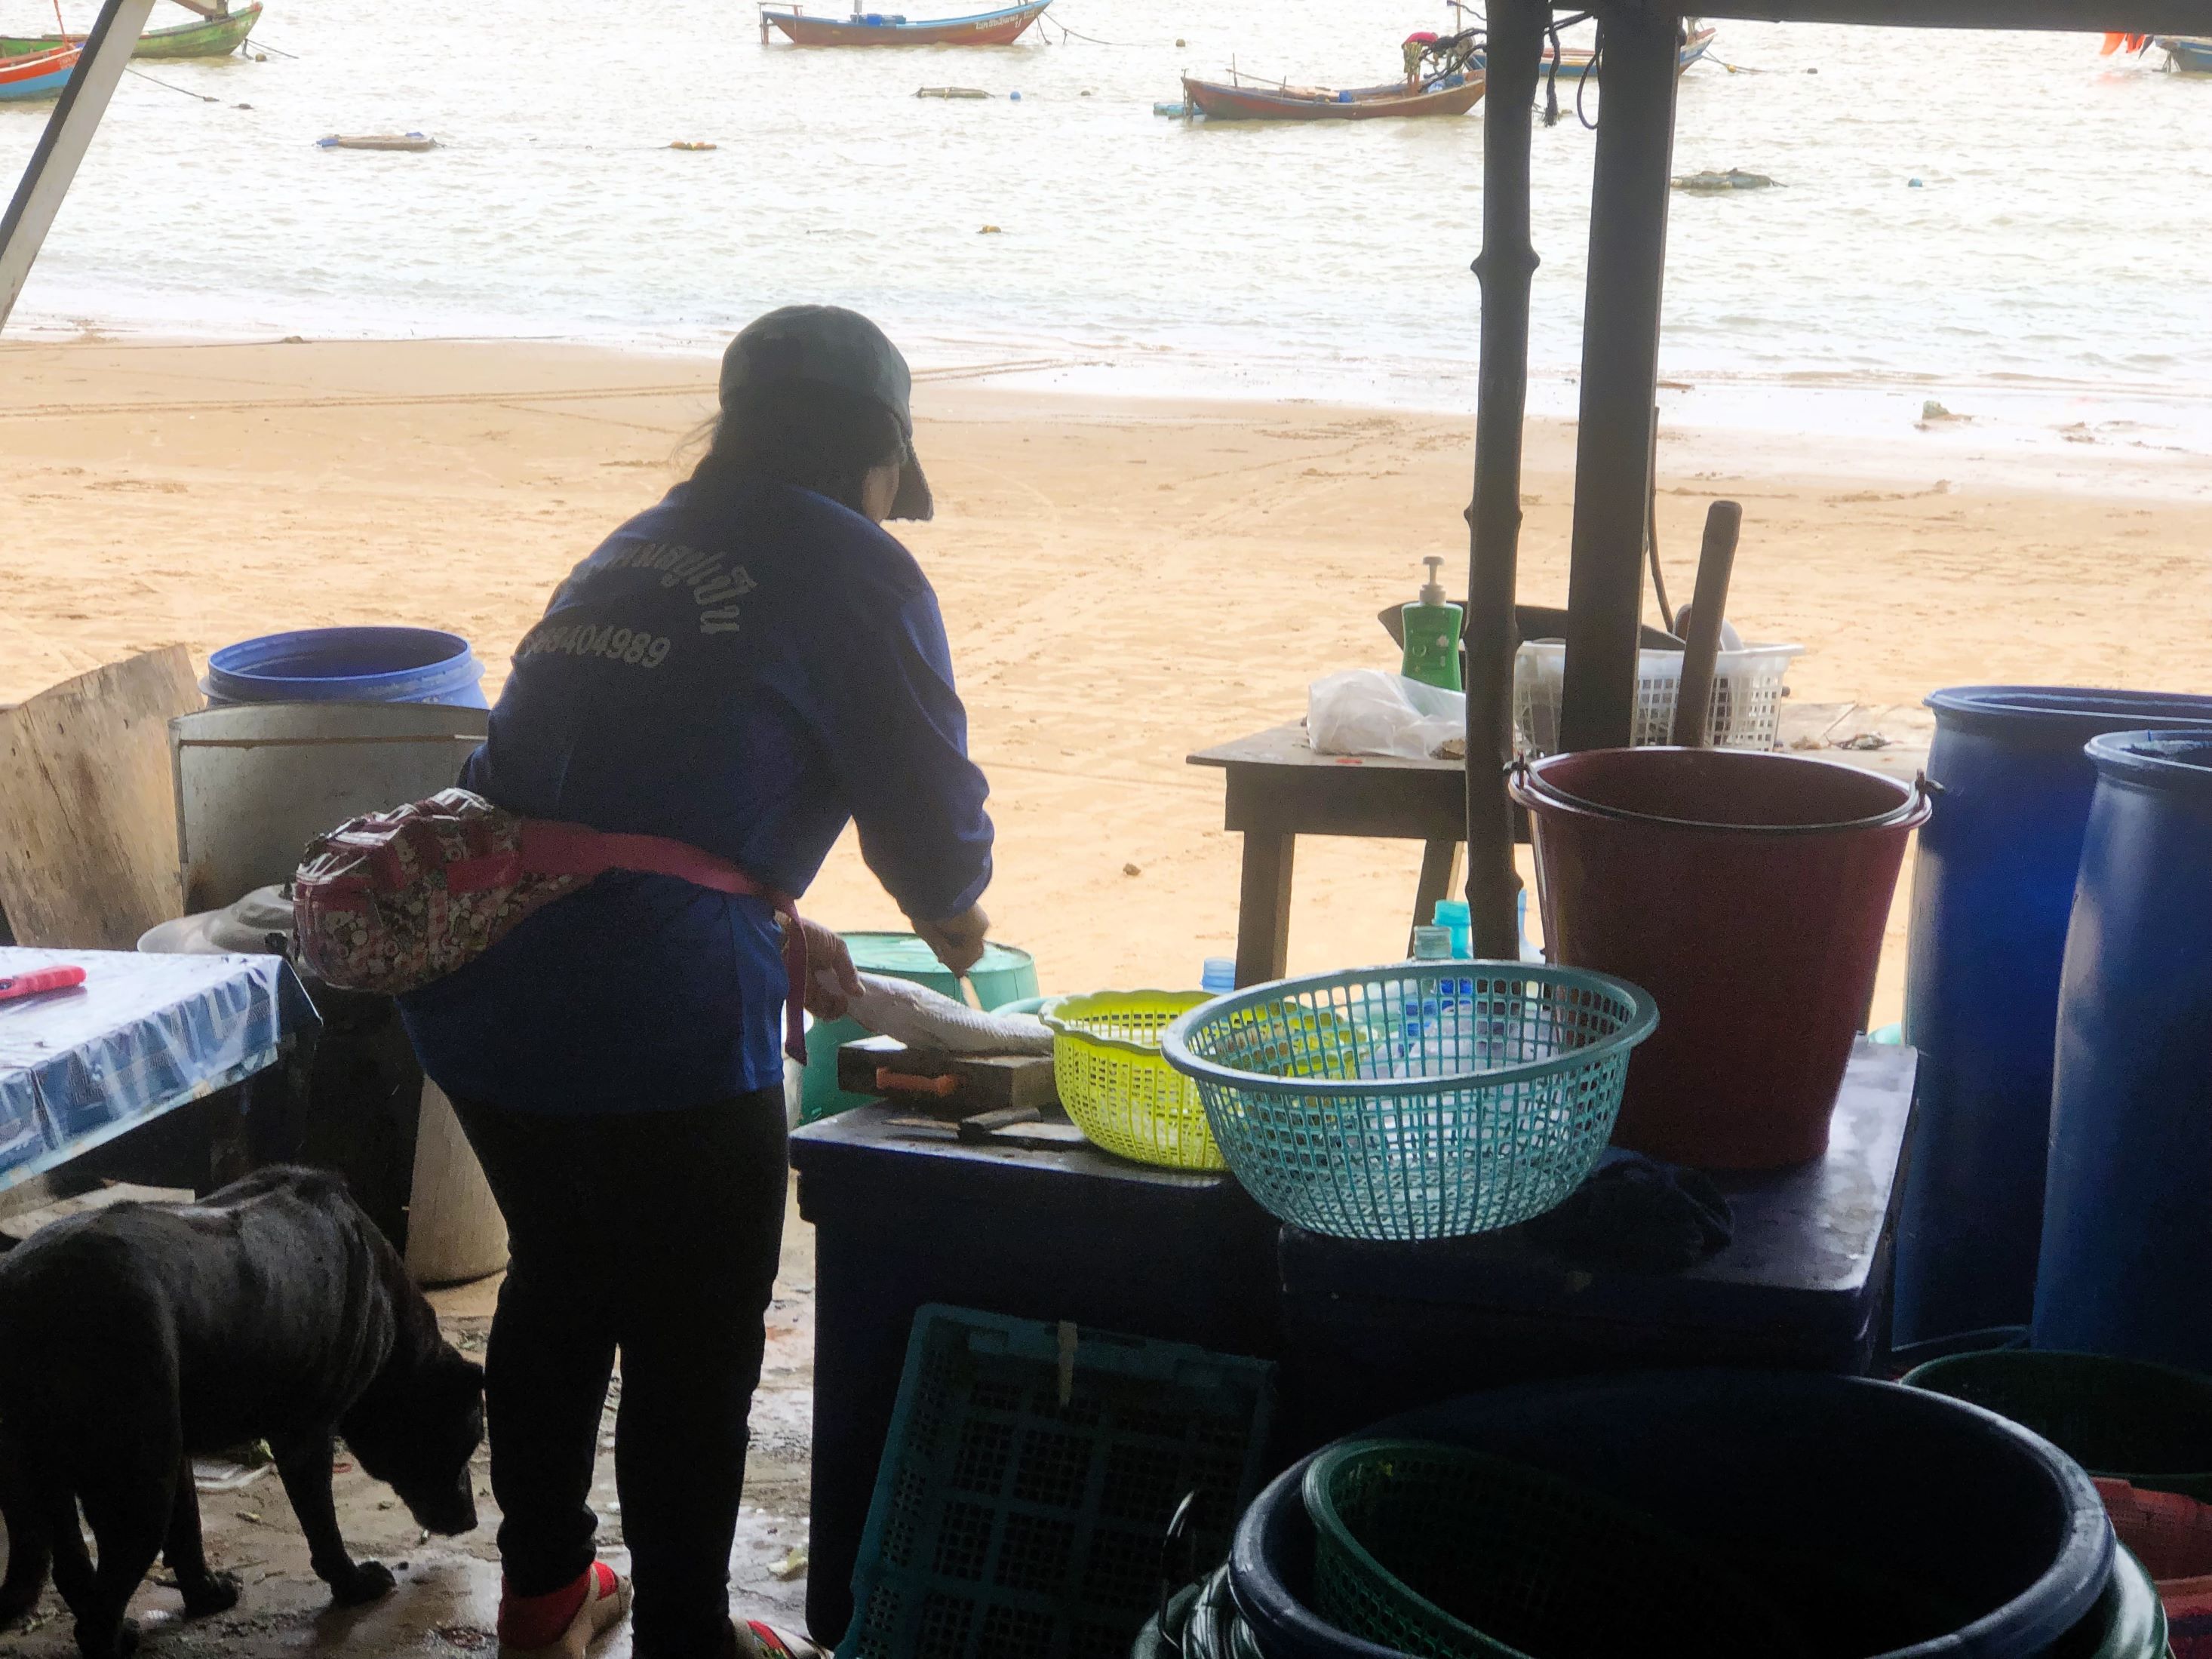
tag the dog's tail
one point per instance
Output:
(30, 1545)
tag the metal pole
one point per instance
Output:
(68, 135)
(1506, 265)
(1620, 373)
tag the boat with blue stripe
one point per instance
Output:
(1575, 62)
(875, 28)
(2190, 54)
(36, 74)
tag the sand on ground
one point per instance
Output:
(1123, 581)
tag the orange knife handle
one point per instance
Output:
(905, 1083)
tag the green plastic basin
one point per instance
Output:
(1006, 974)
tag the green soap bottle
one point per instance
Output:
(1431, 632)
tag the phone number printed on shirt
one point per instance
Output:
(638, 647)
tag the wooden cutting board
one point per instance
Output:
(979, 1082)
(89, 804)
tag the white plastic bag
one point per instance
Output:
(1365, 711)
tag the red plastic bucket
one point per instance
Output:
(1747, 892)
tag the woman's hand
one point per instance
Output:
(958, 940)
(830, 975)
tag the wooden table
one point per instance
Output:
(1279, 789)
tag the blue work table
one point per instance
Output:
(903, 1218)
(1369, 1329)
(144, 1035)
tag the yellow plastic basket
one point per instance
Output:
(1115, 1086)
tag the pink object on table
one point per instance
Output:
(42, 979)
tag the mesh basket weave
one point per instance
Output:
(1029, 1476)
(1745, 712)
(1424, 1100)
(1114, 1084)
(1454, 1554)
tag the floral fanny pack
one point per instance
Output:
(393, 900)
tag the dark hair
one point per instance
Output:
(821, 438)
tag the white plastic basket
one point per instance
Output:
(1746, 711)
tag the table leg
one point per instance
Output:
(1439, 876)
(229, 1142)
(1263, 908)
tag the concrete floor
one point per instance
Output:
(447, 1599)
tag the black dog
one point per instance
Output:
(132, 1338)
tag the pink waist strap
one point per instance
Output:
(552, 848)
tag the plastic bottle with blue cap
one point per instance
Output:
(1453, 914)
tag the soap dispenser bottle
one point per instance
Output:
(1431, 629)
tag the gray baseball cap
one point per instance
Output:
(832, 346)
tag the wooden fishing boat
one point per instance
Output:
(1454, 94)
(411, 143)
(2192, 54)
(28, 75)
(1575, 61)
(208, 37)
(876, 28)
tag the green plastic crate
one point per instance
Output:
(1029, 1476)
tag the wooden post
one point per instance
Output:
(1701, 641)
(1505, 266)
(1620, 373)
(68, 135)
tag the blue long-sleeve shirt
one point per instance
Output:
(746, 667)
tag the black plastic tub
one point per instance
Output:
(1885, 1521)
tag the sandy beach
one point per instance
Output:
(1124, 581)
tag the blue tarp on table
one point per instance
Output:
(144, 1034)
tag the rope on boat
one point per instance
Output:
(262, 46)
(1066, 32)
(187, 91)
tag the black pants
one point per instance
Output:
(657, 1233)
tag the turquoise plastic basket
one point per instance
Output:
(1422, 1100)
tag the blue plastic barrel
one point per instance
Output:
(348, 665)
(1991, 890)
(2127, 1230)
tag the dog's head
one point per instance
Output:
(417, 1429)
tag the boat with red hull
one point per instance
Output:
(989, 28)
(36, 74)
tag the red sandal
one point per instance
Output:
(766, 1642)
(563, 1624)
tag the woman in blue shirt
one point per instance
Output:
(745, 668)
